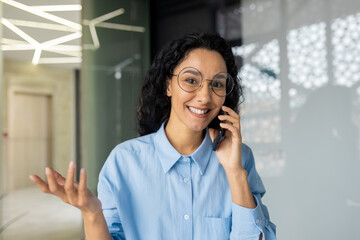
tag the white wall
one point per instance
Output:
(302, 112)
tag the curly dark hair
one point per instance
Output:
(154, 105)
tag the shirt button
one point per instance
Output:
(186, 159)
(186, 180)
(186, 217)
(257, 221)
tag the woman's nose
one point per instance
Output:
(204, 92)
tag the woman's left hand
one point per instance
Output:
(229, 150)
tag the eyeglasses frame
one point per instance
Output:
(201, 83)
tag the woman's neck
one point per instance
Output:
(183, 140)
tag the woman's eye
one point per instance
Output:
(191, 81)
(217, 84)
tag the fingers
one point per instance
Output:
(82, 187)
(82, 182)
(40, 183)
(59, 179)
(54, 187)
(64, 188)
(69, 183)
(229, 119)
(232, 117)
(234, 131)
(230, 111)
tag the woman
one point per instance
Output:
(169, 183)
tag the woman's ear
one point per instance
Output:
(168, 87)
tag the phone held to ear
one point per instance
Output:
(221, 135)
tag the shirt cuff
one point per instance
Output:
(246, 221)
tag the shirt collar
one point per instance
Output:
(168, 155)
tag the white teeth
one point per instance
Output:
(198, 111)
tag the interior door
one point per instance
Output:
(30, 138)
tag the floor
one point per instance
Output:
(32, 215)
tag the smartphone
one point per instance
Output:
(221, 136)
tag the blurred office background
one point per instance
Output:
(70, 78)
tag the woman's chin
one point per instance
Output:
(198, 127)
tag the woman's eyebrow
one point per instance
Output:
(192, 71)
(219, 76)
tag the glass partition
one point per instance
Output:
(116, 56)
(301, 113)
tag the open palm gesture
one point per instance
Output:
(75, 194)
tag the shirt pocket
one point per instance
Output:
(218, 228)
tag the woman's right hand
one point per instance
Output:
(75, 194)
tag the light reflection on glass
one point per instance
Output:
(273, 160)
(259, 85)
(296, 98)
(317, 152)
(307, 59)
(307, 56)
(261, 121)
(264, 129)
(346, 50)
(244, 50)
(268, 56)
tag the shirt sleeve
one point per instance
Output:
(107, 198)
(249, 223)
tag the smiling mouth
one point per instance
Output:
(198, 111)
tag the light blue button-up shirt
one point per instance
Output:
(150, 191)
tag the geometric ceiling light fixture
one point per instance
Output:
(54, 42)
(26, 37)
(73, 52)
(18, 45)
(41, 25)
(43, 14)
(64, 53)
(19, 32)
(100, 22)
(100, 19)
(58, 8)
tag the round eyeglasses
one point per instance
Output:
(190, 79)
